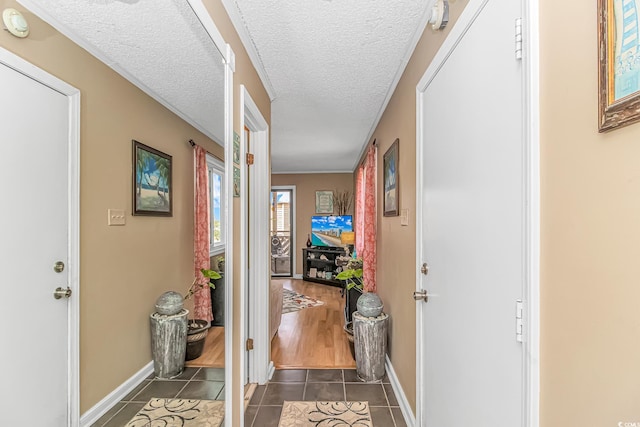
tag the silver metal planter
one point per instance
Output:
(168, 343)
(370, 345)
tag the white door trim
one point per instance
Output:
(229, 69)
(254, 222)
(531, 344)
(73, 252)
(294, 223)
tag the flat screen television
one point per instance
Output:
(326, 230)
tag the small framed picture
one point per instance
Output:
(236, 181)
(152, 191)
(390, 176)
(236, 149)
(324, 202)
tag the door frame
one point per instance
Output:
(254, 222)
(294, 234)
(531, 190)
(73, 246)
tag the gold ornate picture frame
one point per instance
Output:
(619, 63)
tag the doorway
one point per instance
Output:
(46, 123)
(473, 240)
(282, 230)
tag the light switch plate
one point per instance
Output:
(115, 217)
(404, 217)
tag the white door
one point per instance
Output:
(35, 228)
(473, 225)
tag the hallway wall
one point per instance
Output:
(306, 186)
(124, 269)
(590, 234)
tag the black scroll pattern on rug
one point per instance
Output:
(331, 414)
(166, 412)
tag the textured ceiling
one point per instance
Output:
(161, 43)
(331, 65)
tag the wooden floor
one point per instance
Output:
(313, 337)
(307, 339)
(213, 352)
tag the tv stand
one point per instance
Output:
(319, 265)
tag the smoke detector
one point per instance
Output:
(15, 22)
(439, 15)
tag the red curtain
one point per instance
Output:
(366, 217)
(202, 297)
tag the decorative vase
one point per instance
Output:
(217, 302)
(196, 334)
(308, 240)
(369, 305)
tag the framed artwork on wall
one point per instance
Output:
(619, 63)
(152, 191)
(390, 178)
(324, 202)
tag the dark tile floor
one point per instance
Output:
(265, 405)
(193, 383)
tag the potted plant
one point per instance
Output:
(197, 329)
(352, 276)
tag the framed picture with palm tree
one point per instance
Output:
(152, 192)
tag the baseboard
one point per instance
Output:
(297, 276)
(271, 369)
(101, 408)
(407, 413)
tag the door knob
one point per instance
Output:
(62, 293)
(421, 296)
(424, 269)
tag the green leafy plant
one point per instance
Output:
(352, 274)
(195, 286)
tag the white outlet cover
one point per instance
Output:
(115, 217)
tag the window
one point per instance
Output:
(216, 205)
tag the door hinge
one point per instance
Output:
(519, 38)
(519, 324)
(249, 159)
(249, 344)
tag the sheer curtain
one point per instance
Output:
(201, 240)
(366, 217)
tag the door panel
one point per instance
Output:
(473, 228)
(34, 222)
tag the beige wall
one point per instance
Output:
(124, 269)
(590, 233)
(306, 187)
(396, 244)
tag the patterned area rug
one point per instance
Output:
(325, 414)
(179, 413)
(293, 301)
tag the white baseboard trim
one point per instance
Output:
(297, 276)
(407, 413)
(271, 369)
(101, 408)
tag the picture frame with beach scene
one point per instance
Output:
(390, 179)
(152, 190)
(619, 63)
